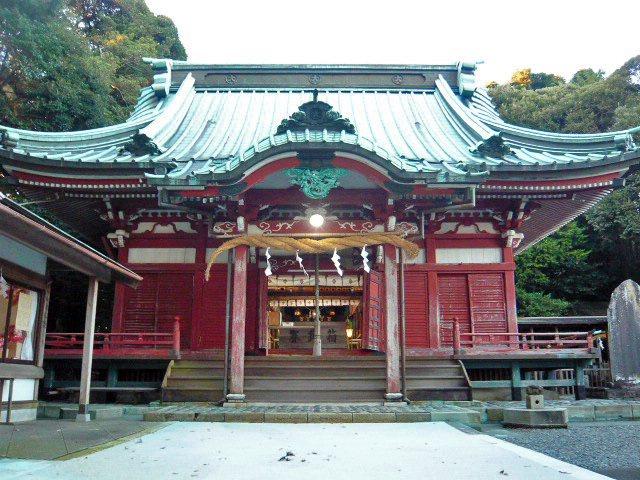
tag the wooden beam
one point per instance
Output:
(239, 312)
(87, 351)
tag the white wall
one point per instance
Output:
(22, 390)
(468, 255)
(162, 255)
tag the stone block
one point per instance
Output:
(495, 414)
(68, 413)
(636, 411)
(106, 413)
(536, 418)
(179, 416)
(581, 413)
(374, 417)
(154, 417)
(285, 417)
(327, 417)
(618, 411)
(244, 417)
(535, 401)
(50, 411)
(464, 416)
(210, 417)
(411, 417)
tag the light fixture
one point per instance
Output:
(316, 220)
(349, 332)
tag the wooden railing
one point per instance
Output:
(520, 340)
(113, 344)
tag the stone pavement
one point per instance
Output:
(462, 412)
(56, 439)
(240, 451)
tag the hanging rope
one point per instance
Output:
(308, 245)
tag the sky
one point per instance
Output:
(560, 36)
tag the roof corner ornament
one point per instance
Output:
(162, 75)
(467, 79)
(9, 139)
(315, 115)
(140, 145)
(316, 184)
(492, 147)
(624, 142)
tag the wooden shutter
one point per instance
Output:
(372, 326)
(140, 306)
(175, 299)
(211, 330)
(416, 308)
(159, 298)
(453, 301)
(488, 310)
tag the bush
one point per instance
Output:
(537, 304)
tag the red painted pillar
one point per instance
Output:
(238, 314)
(394, 387)
(510, 290)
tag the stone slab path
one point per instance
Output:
(51, 439)
(336, 451)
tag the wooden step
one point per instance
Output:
(298, 378)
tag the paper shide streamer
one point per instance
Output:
(299, 260)
(365, 259)
(267, 271)
(336, 262)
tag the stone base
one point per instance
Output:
(538, 418)
(83, 417)
(393, 397)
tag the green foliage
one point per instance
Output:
(587, 104)
(615, 223)
(76, 64)
(545, 80)
(587, 76)
(536, 304)
(564, 255)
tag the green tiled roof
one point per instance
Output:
(445, 129)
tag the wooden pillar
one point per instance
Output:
(87, 351)
(510, 290)
(238, 314)
(392, 324)
(41, 336)
(580, 387)
(516, 381)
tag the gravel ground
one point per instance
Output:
(610, 448)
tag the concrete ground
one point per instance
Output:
(52, 439)
(611, 448)
(310, 451)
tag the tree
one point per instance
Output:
(587, 76)
(565, 255)
(49, 77)
(76, 64)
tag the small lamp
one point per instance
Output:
(349, 332)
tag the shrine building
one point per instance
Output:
(311, 233)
